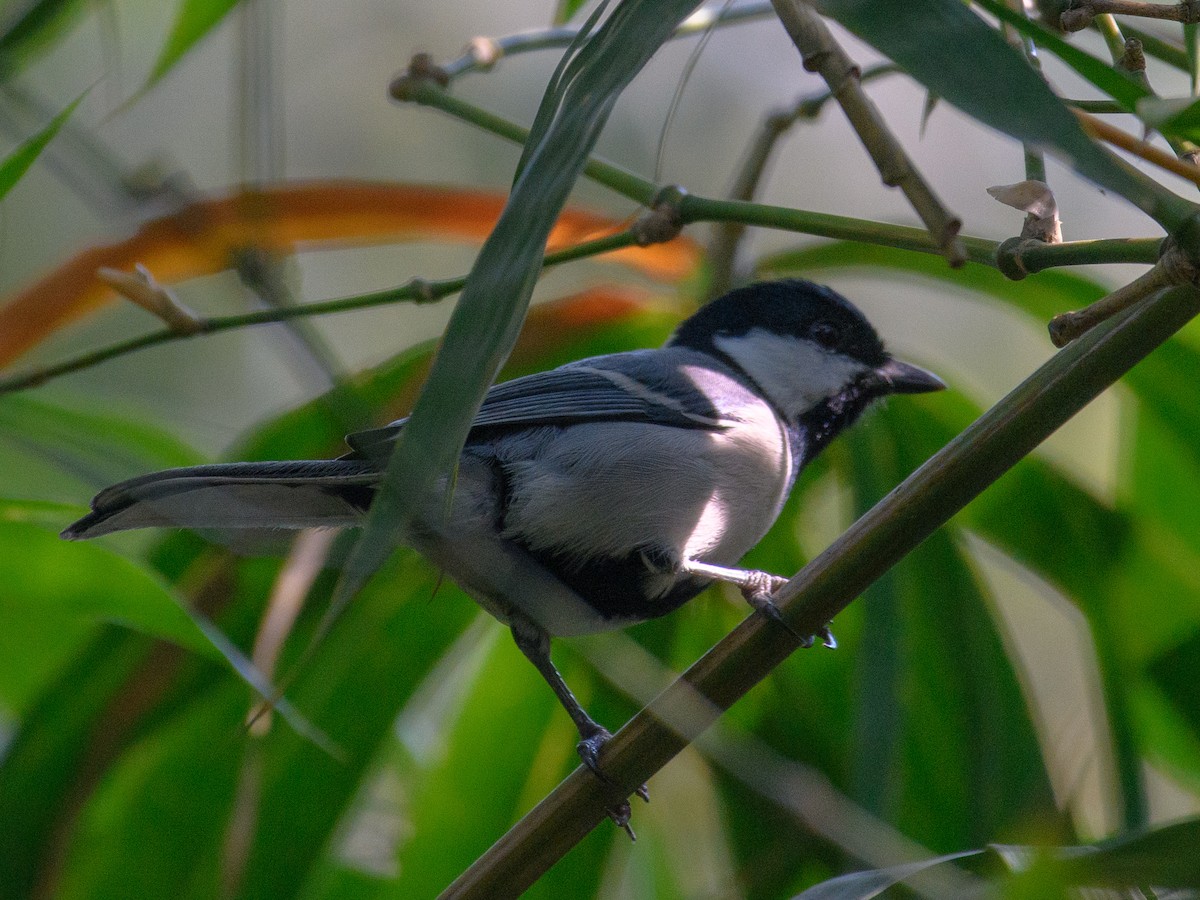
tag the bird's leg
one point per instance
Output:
(757, 587)
(534, 642)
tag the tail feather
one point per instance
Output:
(270, 495)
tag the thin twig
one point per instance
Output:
(1098, 128)
(1113, 38)
(695, 208)
(822, 54)
(1081, 14)
(723, 248)
(1170, 53)
(1035, 160)
(416, 291)
(484, 52)
(1129, 55)
(1068, 326)
(954, 476)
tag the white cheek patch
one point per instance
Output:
(796, 374)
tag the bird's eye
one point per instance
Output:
(826, 334)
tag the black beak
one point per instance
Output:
(896, 377)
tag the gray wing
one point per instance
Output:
(620, 388)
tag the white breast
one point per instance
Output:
(617, 488)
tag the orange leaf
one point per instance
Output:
(203, 237)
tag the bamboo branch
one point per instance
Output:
(1081, 14)
(954, 476)
(822, 54)
(695, 208)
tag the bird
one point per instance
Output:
(605, 492)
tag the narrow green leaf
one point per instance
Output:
(955, 54)
(184, 773)
(1173, 116)
(18, 162)
(873, 882)
(48, 578)
(361, 676)
(961, 764)
(488, 315)
(194, 19)
(566, 9)
(35, 29)
(56, 453)
(1162, 857)
(42, 765)
(1174, 674)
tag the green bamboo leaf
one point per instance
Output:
(873, 882)
(1163, 857)
(33, 30)
(361, 677)
(1174, 674)
(961, 764)
(487, 318)
(1174, 116)
(951, 51)
(185, 773)
(194, 20)
(566, 9)
(42, 764)
(18, 162)
(57, 453)
(49, 580)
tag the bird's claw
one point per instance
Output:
(589, 751)
(758, 590)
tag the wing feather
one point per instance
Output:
(576, 393)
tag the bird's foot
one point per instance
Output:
(589, 751)
(758, 588)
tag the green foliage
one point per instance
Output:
(949, 49)
(18, 162)
(127, 768)
(36, 26)
(194, 20)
